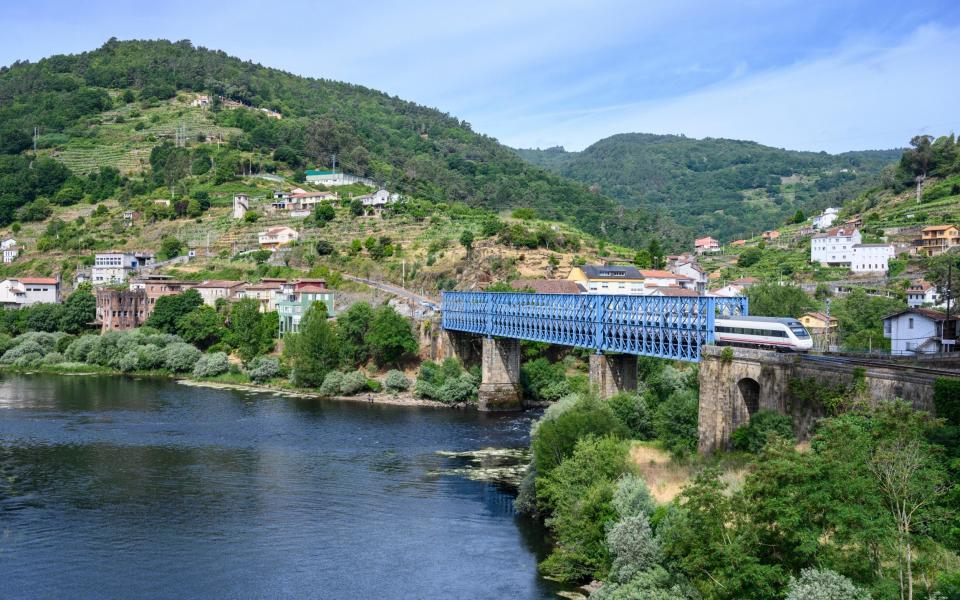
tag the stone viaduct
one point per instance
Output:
(737, 382)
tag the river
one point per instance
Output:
(113, 487)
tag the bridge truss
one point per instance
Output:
(664, 327)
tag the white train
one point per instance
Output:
(777, 333)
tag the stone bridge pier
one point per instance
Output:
(736, 384)
(499, 360)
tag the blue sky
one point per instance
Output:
(811, 75)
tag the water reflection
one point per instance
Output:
(121, 488)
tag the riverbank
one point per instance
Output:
(83, 369)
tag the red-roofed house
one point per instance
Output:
(275, 237)
(24, 291)
(547, 286)
(706, 245)
(922, 293)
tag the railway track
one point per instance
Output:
(882, 364)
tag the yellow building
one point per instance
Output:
(604, 279)
(823, 329)
(937, 239)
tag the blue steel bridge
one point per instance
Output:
(665, 327)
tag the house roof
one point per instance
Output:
(547, 286)
(837, 232)
(36, 280)
(933, 315)
(312, 195)
(738, 243)
(873, 245)
(263, 285)
(314, 289)
(279, 229)
(939, 227)
(219, 283)
(660, 274)
(675, 292)
(819, 316)
(611, 272)
(920, 286)
(705, 241)
(745, 281)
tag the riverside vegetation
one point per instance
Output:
(869, 509)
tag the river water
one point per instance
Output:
(126, 488)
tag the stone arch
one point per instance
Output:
(747, 401)
(749, 389)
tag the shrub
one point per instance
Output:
(815, 584)
(180, 357)
(263, 368)
(556, 438)
(396, 381)
(30, 359)
(537, 375)
(374, 386)
(633, 546)
(54, 358)
(458, 390)
(631, 410)
(331, 384)
(579, 493)
(675, 422)
(149, 357)
(211, 365)
(654, 584)
(946, 399)
(753, 436)
(28, 348)
(632, 497)
(353, 383)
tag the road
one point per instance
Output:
(396, 290)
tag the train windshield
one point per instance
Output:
(799, 331)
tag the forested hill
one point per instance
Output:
(725, 188)
(409, 148)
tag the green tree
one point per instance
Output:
(168, 310)
(246, 329)
(466, 240)
(170, 247)
(79, 310)
(390, 337)
(315, 350)
(203, 327)
(354, 325)
(749, 257)
(356, 207)
(771, 300)
(643, 260)
(798, 217)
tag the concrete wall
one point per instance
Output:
(726, 385)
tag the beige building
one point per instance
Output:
(212, 290)
(937, 239)
(823, 329)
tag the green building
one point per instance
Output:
(297, 297)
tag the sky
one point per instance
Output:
(832, 75)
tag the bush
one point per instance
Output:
(396, 381)
(579, 493)
(631, 410)
(556, 437)
(675, 422)
(149, 357)
(633, 547)
(457, 390)
(263, 368)
(632, 497)
(946, 399)
(815, 584)
(538, 375)
(211, 365)
(180, 357)
(29, 348)
(447, 383)
(753, 436)
(353, 383)
(331, 384)
(54, 358)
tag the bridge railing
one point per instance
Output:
(665, 327)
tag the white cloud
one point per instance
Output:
(863, 96)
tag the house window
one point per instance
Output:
(910, 323)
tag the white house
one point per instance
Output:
(241, 204)
(113, 267)
(24, 291)
(335, 178)
(655, 278)
(826, 219)
(871, 258)
(918, 331)
(922, 293)
(727, 291)
(697, 277)
(275, 237)
(834, 247)
(706, 245)
(378, 199)
(213, 289)
(10, 250)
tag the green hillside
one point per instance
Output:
(725, 188)
(89, 109)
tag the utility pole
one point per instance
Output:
(334, 161)
(946, 342)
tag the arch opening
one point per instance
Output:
(750, 394)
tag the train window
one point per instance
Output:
(800, 332)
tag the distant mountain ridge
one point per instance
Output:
(721, 187)
(409, 148)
